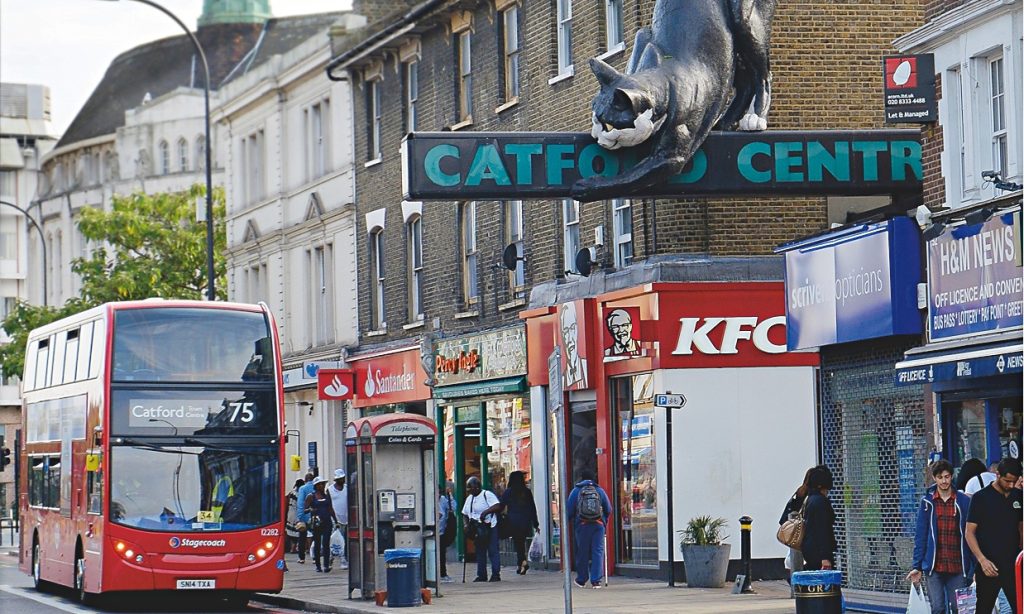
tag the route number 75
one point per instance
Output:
(244, 409)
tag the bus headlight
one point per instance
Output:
(130, 552)
(262, 551)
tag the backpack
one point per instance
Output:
(589, 508)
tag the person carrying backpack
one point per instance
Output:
(588, 509)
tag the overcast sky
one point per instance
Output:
(68, 44)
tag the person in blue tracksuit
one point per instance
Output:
(588, 529)
(941, 552)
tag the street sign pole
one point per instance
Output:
(670, 402)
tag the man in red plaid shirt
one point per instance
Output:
(941, 552)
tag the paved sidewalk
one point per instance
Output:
(536, 592)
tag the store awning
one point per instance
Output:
(998, 354)
(478, 389)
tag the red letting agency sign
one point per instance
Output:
(335, 384)
(910, 89)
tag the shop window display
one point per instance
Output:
(636, 489)
(508, 437)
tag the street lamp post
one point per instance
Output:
(42, 241)
(210, 294)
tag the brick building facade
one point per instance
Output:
(826, 60)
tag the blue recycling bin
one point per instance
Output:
(818, 592)
(405, 576)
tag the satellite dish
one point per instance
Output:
(584, 264)
(510, 257)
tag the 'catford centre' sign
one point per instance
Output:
(457, 166)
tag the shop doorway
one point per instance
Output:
(635, 490)
(469, 462)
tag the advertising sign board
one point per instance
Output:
(910, 89)
(396, 377)
(493, 165)
(974, 282)
(859, 284)
(490, 355)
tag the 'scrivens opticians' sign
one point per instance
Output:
(480, 165)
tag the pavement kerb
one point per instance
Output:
(305, 605)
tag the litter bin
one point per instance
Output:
(818, 592)
(404, 576)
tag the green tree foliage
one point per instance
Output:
(149, 245)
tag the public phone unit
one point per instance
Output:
(390, 463)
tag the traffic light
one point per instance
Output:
(5, 458)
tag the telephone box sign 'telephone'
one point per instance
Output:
(392, 496)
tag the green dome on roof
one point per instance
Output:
(234, 11)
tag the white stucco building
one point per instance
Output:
(286, 132)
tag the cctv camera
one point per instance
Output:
(990, 175)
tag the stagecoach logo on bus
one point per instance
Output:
(179, 414)
(197, 543)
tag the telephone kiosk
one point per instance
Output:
(390, 462)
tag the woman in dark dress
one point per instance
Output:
(517, 501)
(819, 545)
(318, 505)
(795, 560)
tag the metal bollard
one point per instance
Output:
(745, 524)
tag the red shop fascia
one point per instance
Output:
(652, 327)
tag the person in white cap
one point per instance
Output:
(339, 500)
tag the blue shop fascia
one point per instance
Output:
(972, 363)
(852, 295)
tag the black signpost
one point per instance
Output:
(500, 165)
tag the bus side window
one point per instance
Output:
(99, 348)
(42, 362)
(85, 350)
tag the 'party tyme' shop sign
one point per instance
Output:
(451, 165)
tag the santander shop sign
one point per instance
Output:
(396, 377)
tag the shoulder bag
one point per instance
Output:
(791, 532)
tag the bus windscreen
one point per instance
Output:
(179, 344)
(196, 488)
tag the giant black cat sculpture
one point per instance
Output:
(702, 64)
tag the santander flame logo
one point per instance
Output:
(370, 388)
(336, 388)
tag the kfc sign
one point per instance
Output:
(335, 384)
(694, 335)
(741, 324)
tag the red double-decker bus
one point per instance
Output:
(152, 454)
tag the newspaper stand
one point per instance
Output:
(389, 460)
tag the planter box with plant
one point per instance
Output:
(705, 557)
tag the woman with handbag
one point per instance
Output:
(481, 518)
(321, 520)
(521, 516)
(795, 559)
(819, 542)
